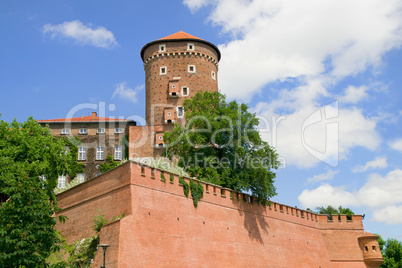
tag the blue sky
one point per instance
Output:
(324, 77)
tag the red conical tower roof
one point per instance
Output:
(180, 35)
(177, 37)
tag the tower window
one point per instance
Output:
(213, 75)
(162, 48)
(180, 111)
(190, 46)
(185, 91)
(163, 70)
(191, 68)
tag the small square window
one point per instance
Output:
(81, 177)
(185, 91)
(118, 153)
(162, 48)
(101, 130)
(191, 68)
(61, 182)
(163, 70)
(180, 111)
(83, 131)
(65, 131)
(100, 152)
(119, 130)
(82, 153)
(190, 46)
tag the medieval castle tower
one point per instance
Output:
(176, 68)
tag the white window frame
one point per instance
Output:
(81, 177)
(162, 48)
(163, 70)
(83, 131)
(182, 91)
(65, 131)
(100, 153)
(61, 181)
(213, 75)
(190, 46)
(82, 153)
(182, 110)
(189, 67)
(118, 130)
(118, 153)
(100, 131)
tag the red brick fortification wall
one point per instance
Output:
(142, 141)
(166, 230)
(109, 193)
(163, 229)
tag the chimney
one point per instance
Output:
(93, 115)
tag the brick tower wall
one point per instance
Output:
(176, 58)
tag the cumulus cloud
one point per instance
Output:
(310, 50)
(329, 175)
(379, 162)
(275, 40)
(124, 92)
(381, 194)
(396, 145)
(82, 34)
(354, 94)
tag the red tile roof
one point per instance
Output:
(91, 118)
(180, 35)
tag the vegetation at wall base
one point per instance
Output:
(108, 164)
(220, 144)
(31, 160)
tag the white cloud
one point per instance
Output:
(82, 34)
(326, 195)
(396, 145)
(354, 94)
(275, 40)
(379, 162)
(124, 92)
(383, 195)
(329, 175)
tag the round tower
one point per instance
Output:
(176, 68)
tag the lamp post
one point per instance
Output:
(104, 247)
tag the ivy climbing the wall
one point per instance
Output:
(197, 191)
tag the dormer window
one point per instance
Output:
(162, 48)
(191, 68)
(190, 46)
(163, 70)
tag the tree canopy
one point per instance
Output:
(31, 160)
(391, 250)
(330, 210)
(219, 143)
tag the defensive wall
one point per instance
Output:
(162, 228)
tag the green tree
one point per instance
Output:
(220, 144)
(30, 161)
(330, 210)
(391, 252)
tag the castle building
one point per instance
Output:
(161, 226)
(96, 138)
